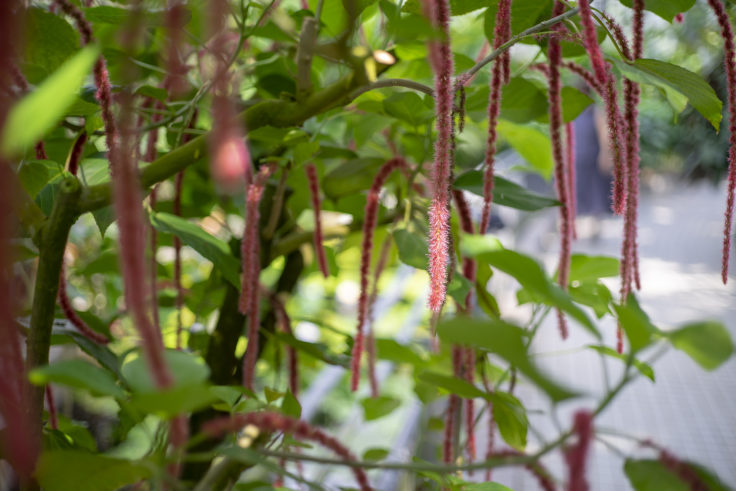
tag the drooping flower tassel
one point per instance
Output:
(576, 456)
(571, 180)
(554, 55)
(255, 193)
(383, 257)
(370, 216)
(284, 322)
(272, 422)
(730, 64)
(51, 405)
(441, 59)
(502, 30)
(606, 80)
(319, 249)
(71, 314)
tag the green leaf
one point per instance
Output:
(531, 144)
(524, 14)
(584, 267)
(390, 349)
(206, 244)
(666, 9)
(708, 343)
(652, 475)
(504, 339)
(510, 417)
(505, 192)
(83, 471)
(38, 112)
(34, 175)
(668, 76)
(316, 350)
(49, 42)
(375, 454)
(408, 107)
(594, 294)
(187, 369)
(412, 248)
(182, 398)
(378, 407)
(522, 101)
(351, 177)
(453, 385)
(78, 374)
(530, 275)
(459, 287)
(101, 353)
(290, 405)
(643, 368)
(636, 324)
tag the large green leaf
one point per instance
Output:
(504, 339)
(38, 112)
(207, 245)
(187, 369)
(636, 324)
(412, 248)
(652, 475)
(453, 385)
(83, 471)
(644, 368)
(584, 267)
(34, 175)
(666, 9)
(530, 143)
(49, 42)
(408, 107)
(668, 76)
(529, 274)
(78, 374)
(708, 343)
(510, 417)
(522, 101)
(505, 192)
(350, 177)
(170, 402)
(378, 407)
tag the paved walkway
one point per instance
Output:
(689, 411)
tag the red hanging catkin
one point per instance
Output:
(571, 180)
(441, 59)
(255, 193)
(730, 65)
(576, 455)
(469, 271)
(293, 357)
(606, 80)
(51, 405)
(271, 422)
(230, 159)
(371, 340)
(544, 478)
(554, 55)
(72, 315)
(370, 217)
(501, 31)
(451, 417)
(319, 249)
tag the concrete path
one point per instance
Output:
(689, 411)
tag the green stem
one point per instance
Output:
(52, 243)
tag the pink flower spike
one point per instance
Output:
(571, 181)
(730, 64)
(301, 430)
(250, 276)
(576, 455)
(554, 55)
(679, 18)
(316, 207)
(230, 163)
(370, 217)
(438, 13)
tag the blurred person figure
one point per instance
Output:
(593, 172)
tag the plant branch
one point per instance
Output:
(52, 244)
(515, 39)
(392, 82)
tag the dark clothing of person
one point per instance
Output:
(593, 187)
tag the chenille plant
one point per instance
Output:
(211, 209)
